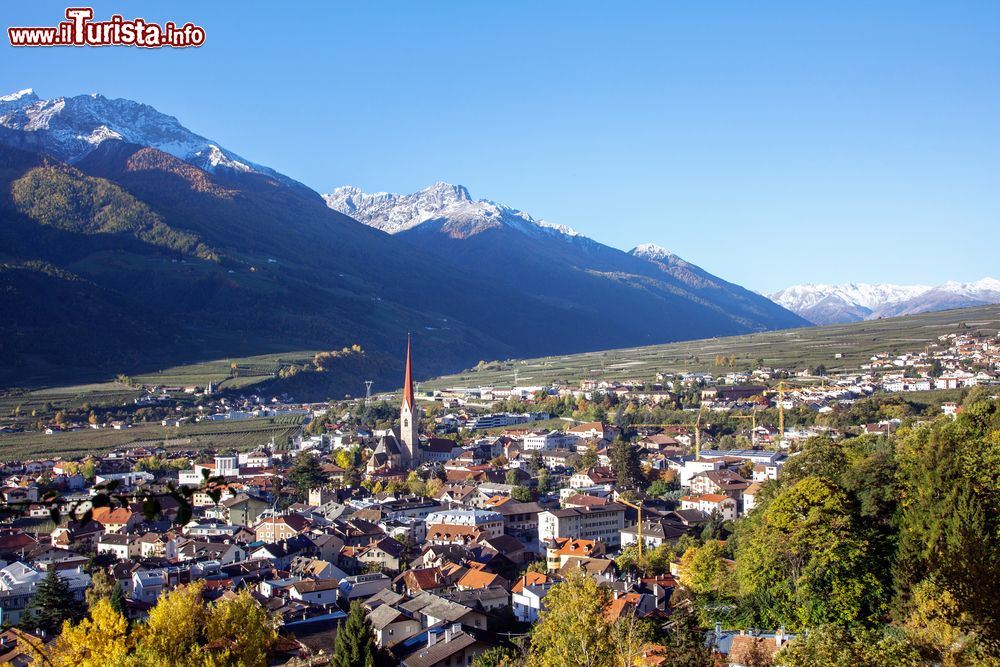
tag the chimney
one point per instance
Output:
(431, 638)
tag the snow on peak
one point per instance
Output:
(394, 213)
(826, 304)
(865, 295)
(27, 93)
(70, 128)
(562, 229)
(651, 251)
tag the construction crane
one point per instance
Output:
(697, 433)
(638, 508)
(753, 433)
(781, 412)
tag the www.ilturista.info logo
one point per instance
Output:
(80, 30)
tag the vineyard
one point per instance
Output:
(241, 435)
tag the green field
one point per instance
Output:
(49, 400)
(242, 434)
(791, 348)
(249, 371)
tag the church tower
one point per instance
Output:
(409, 416)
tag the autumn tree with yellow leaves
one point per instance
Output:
(182, 631)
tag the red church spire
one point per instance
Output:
(408, 379)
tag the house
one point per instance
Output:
(520, 520)
(725, 482)
(603, 523)
(117, 520)
(16, 648)
(425, 579)
(476, 579)
(452, 646)
(655, 532)
(277, 528)
(597, 476)
(392, 626)
(121, 546)
(434, 610)
(486, 522)
(315, 591)
(315, 568)
(362, 586)
(561, 549)
(711, 502)
(590, 431)
(744, 650)
(528, 600)
(76, 535)
(750, 496)
(386, 554)
(243, 510)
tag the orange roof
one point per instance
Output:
(582, 499)
(106, 515)
(478, 579)
(589, 426)
(708, 497)
(617, 607)
(529, 579)
(576, 548)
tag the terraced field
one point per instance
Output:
(242, 434)
(791, 348)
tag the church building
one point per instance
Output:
(399, 450)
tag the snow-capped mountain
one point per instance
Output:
(70, 128)
(395, 213)
(652, 252)
(830, 304)
(506, 245)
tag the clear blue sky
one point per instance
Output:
(770, 142)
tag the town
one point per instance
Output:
(449, 518)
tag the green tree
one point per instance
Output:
(686, 640)
(53, 603)
(626, 464)
(804, 564)
(355, 642)
(950, 520)
(837, 646)
(306, 473)
(117, 598)
(703, 569)
(498, 656)
(521, 494)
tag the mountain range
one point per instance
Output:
(129, 243)
(833, 304)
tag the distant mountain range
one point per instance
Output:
(832, 304)
(129, 243)
(639, 294)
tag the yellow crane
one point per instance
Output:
(638, 508)
(781, 412)
(697, 434)
(753, 432)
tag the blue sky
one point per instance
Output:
(771, 143)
